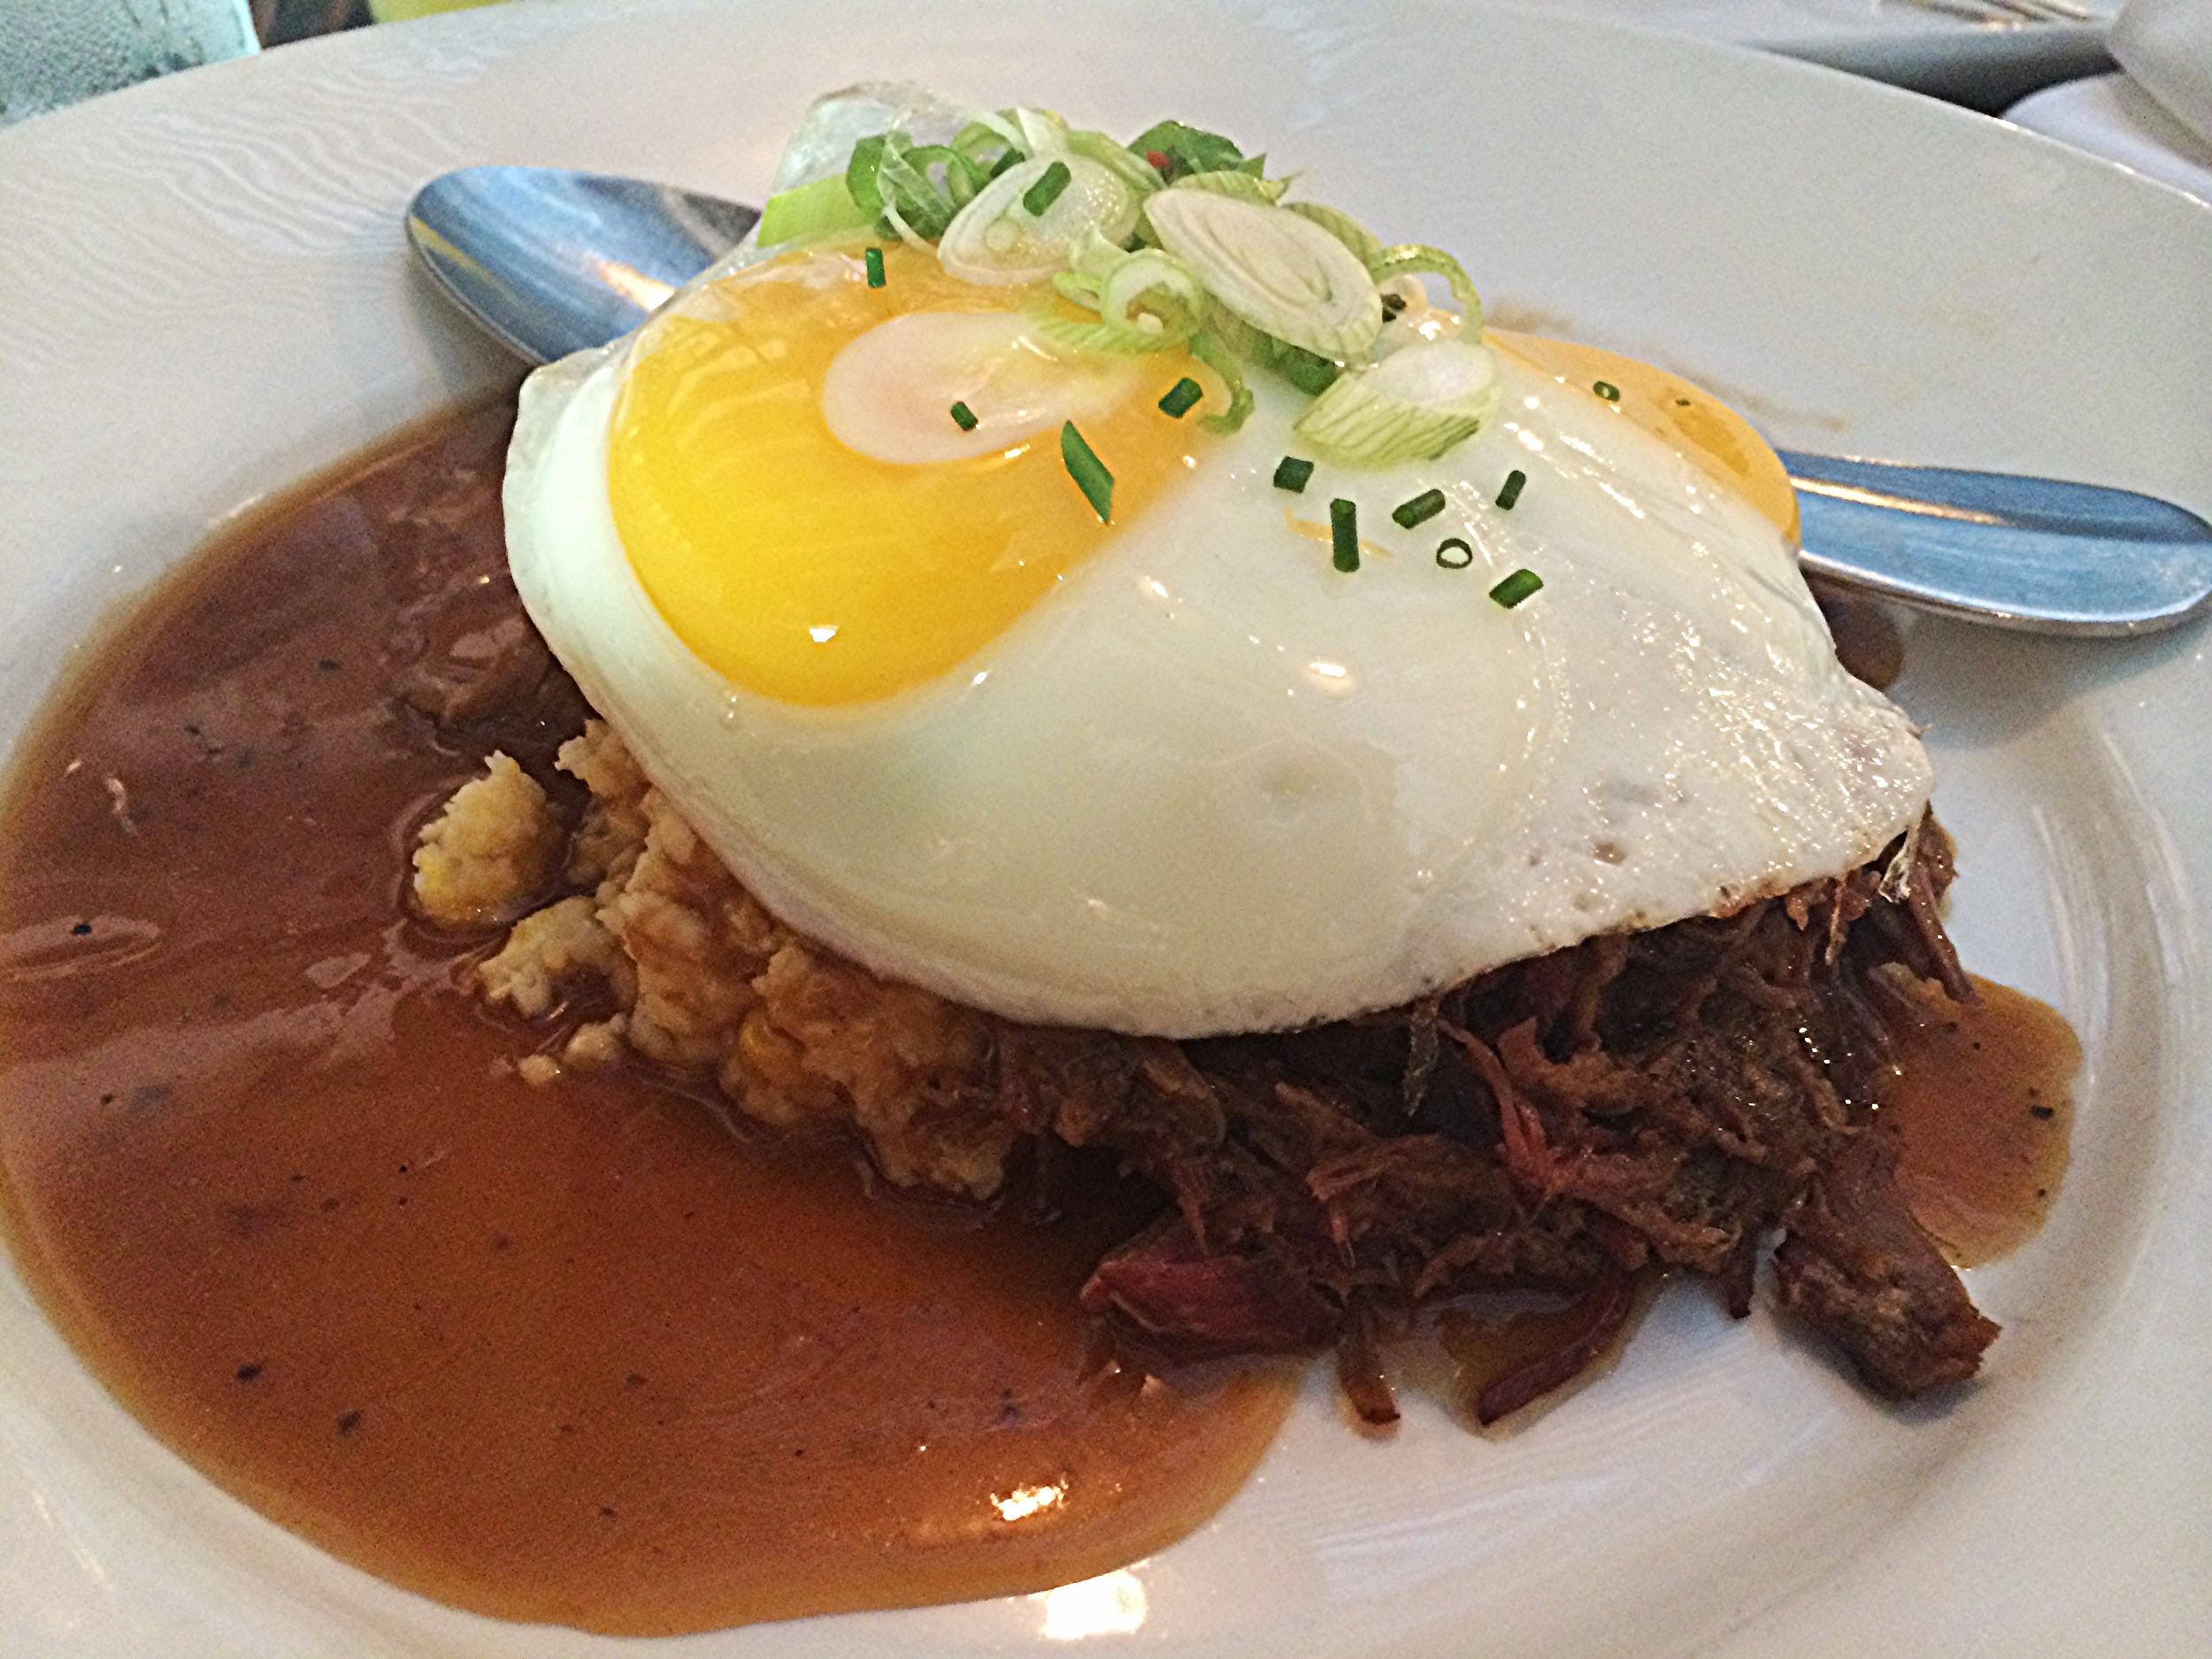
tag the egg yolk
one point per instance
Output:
(1718, 440)
(806, 571)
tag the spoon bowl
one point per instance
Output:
(551, 261)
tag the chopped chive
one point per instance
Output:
(1516, 587)
(1309, 371)
(875, 267)
(1344, 533)
(1046, 191)
(1180, 397)
(1420, 509)
(1088, 472)
(964, 417)
(1292, 474)
(1606, 389)
(1511, 492)
(1682, 403)
(1455, 544)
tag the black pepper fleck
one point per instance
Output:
(247, 1373)
(82, 929)
(2044, 1112)
(350, 1422)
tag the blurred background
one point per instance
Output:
(277, 21)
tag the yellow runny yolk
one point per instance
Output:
(807, 572)
(1713, 435)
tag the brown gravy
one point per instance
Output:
(573, 1353)
(1982, 1098)
(566, 1353)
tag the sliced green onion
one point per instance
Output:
(1088, 472)
(1362, 244)
(1344, 533)
(1606, 389)
(1244, 187)
(888, 180)
(1207, 346)
(978, 137)
(1413, 259)
(1046, 191)
(1148, 291)
(964, 417)
(1070, 335)
(875, 267)
(809, 210)
(1180, 397)
(1276, 270)
(1413, 405)
(1292, 474)
(1516, 587)
(1420, 509)
(995, 241)
(1511, 492)
(1131, 170)
(1452, 544)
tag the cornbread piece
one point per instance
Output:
(487, 855)
(548, 949)
(709, 983)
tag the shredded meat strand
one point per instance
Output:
(1599, 1316)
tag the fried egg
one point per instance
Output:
(1170, 769)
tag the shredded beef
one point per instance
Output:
(1599, 1316)
(1673, 1096)
(1857, 1265)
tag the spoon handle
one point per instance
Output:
(2035, 554)
(551, 261)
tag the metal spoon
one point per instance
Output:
(551, 262)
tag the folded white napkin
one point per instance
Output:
(2166, 46)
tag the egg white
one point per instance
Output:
(1211, 784)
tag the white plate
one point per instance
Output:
(1984, 64)
(203, 294)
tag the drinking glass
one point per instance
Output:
(54, 52)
